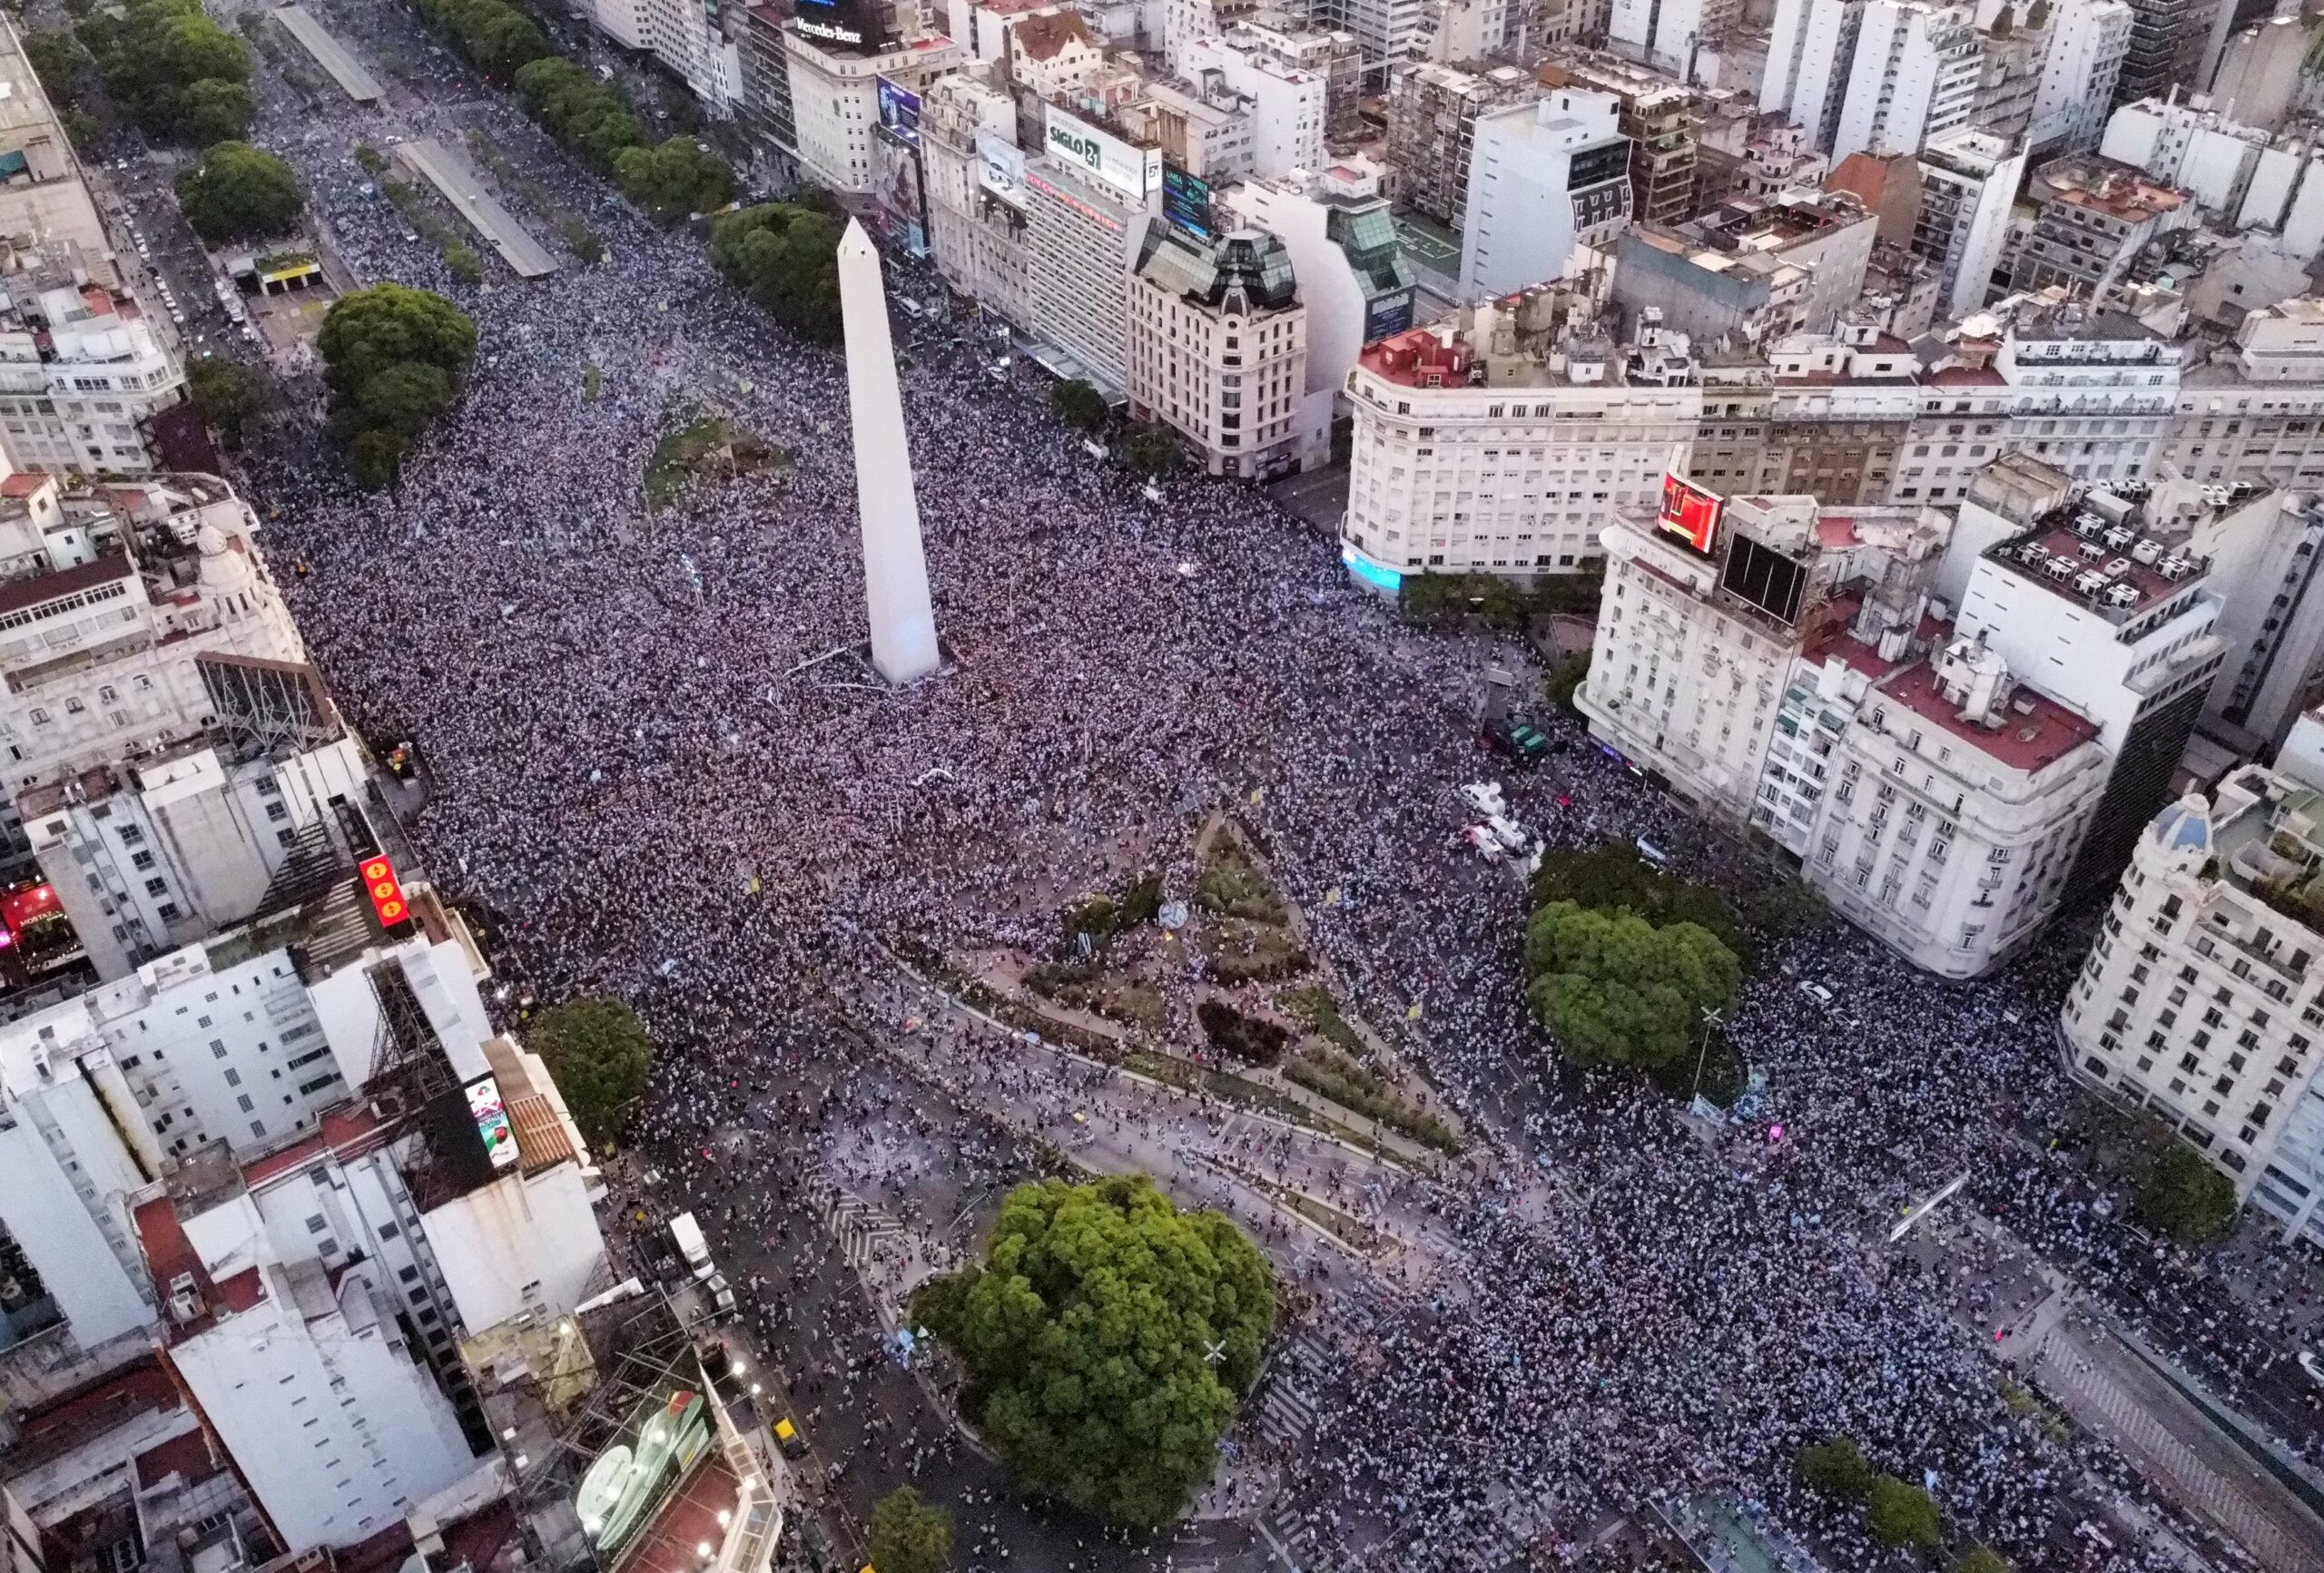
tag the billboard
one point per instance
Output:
(380, 883)
(1690, 513)
(1385, 315)
(491, 1116)
(646, 1462)
(1000, 168)
(896, 186)
(1129, 172)
(899, 111)
(1185, 201)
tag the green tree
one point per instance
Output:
(216, 110)
(1612, 874)
(1426, 598)
(1078, 404)
(1615, 990)
(908, 1535)
(496, 38)
(1901, 1514)
(2182, 1195)
(677, 178)
(785, 256)
(239, 193)
(1150, 448)
(1984, 1560)
(226, 394)
(393, 358)
(591, 117)
(599, 1053)
(1565, 680)
(156, 53)
(56, 59)
(1107, 1338)
(1836, 1467)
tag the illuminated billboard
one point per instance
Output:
(1690, 513)
(380, 883)
(899, 110)
(1185, 201)
(1000, 168)
(491, 1116)
(650, 1459)
(1129, 172)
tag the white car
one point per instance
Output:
(1817, 992)
(1509, 833)
(1484, 796)
(1488, 845)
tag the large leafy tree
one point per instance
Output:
(1616, 990)
(237, 192)
(1901, 1513)
(599, 1053)
(784, 257)
(495, 37)
(170, 67)
(2184, 1196)
(226, 394)
(1107, 1337)
(679, 177)
(393, 358)
(591, 117)
(908, 1535)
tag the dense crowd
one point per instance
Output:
(637, 765)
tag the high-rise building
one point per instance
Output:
(1087, 199)
(975, 175)
(1657, 115)
(1668, 35)
(1809, 59)
(835, 67)
(83, 370)
(1968, 185)
(2095, 216)
(1545, 177)
(1760, 268)
(2151, 54)
(1913, 76)
(2088, 41)
(1433, 114)
(1286, 106)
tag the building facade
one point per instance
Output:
(1545, 177)
(1218, 349)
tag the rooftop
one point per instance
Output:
(2112, 568)
(2101, 185)
(2039, 730)
(1045, 34)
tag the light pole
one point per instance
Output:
(1711, 1019)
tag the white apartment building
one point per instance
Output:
(1544, 177)
(1668, 35)
(835, 100)
(1218, 350)
(78, 402)
(1810, 58)
(2264, 548)
(2244, 178)
(1087, 200)
(2255, 411)
(2088, 39)
(1498, 439)
(1913, 76)
(1208, 131)
(2202, 1003)
(975, 177)
(1286, 105)
(1969, 181)
(1388, 30)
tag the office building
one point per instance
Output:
(1087, 198)
(1913, 76)
(2264, 548)
(1284, 107)
(975, 175)
(1760, 268)
(834, 96)
(1544, 178)
(1668, 34)
(2151, 54)
(1496, 440)
(1218, 349)
(1968, 185)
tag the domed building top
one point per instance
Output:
(223, 566)
(2185, 826)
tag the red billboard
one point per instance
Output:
(379, 882)
(1690, 513)
(20, 909)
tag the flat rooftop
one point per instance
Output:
(2039, 730)
(2116, 570)
(331, 55)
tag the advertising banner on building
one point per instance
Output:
(1129, 172)
(491, 1116)
(379, 882)
(1185, 201)
(1690, 513)
(639, 1470)
(1000, 168)
(1387, 315)
(900, 111)
(896, 186)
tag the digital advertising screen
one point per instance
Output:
(1185, 201)
(386, 891)
(491, 1116)
(1690, 513)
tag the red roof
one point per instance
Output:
(1835, 530)
(142, 1386)
(2028, 742)
(1967, 376)
(25, 485)
(187, 1457)
(688, 1522)
(168, 1253)
(346, 1127)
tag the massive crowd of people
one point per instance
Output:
(638, 765)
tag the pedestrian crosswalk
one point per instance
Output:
(1296, 1531)
(863, 1229)
(1287, 1403)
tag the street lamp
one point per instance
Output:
(1711, 1019)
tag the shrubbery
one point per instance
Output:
(1249, 1038)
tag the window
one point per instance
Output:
(244, 1102)
(157, 886)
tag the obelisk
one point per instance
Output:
(895, 568)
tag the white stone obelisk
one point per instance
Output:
(895, 568)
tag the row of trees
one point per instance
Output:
(1899, 1514)
(1623, 961)
(785, 256)
(593, 119)
(168, 67)
(393, 358)
(1148, 446)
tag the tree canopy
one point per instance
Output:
(1078, 404)
(1613, 875)
(493, 35)
(226, 394)
(2182, 1195)
(785, 256)
(599, 1055)
(677, 178)
(1837, 1468)
(1088, 1334)
(909, 1535)
(591, 117)
(1901, 1514)
(1616, 990)
(172, 70)
(1150, 448)
(393, 358)
(240, 193)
